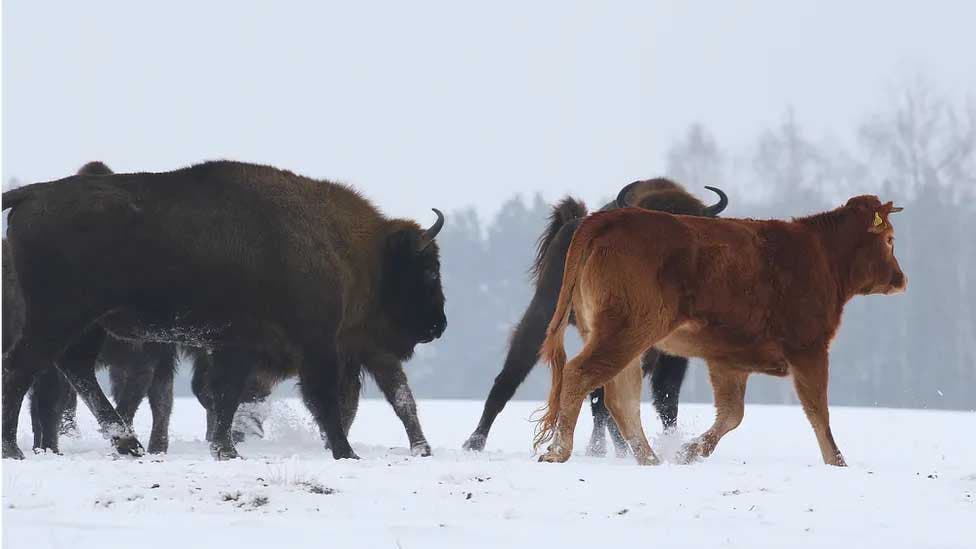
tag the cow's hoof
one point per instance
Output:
(420, 449)
(223, 452)
(129, 446)
(11, 451)
(690, 453)
(475, 442)
(554, 456)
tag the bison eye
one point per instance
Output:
(433, 276)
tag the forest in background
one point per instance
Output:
(914, 350)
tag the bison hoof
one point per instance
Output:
(129, 446)
(597, 447)
(223, 453)
(157, 447)
(11, 451)
(420, 449)
(55, 451)
(475, 443)
(345, 455)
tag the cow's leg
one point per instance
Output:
(78, 365)
(729, 388)
(623, 399)
(602, 358)
(320, 375)
(810, 380)
(49, 393)
(227, 377)
(200, 385)
(666, 380)
(389, 376)
(523, 351)
(161, 399)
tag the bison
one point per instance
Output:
(667, 371)
(137, 371)
(747, 296)
(263, 267)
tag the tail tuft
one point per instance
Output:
(565, 211)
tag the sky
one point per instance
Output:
(449, 104)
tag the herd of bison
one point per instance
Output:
(258, 275)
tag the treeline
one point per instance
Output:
(914, 350)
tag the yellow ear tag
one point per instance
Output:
(877, 220)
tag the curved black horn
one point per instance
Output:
(431, 233)
(622, 195)
(717, 207)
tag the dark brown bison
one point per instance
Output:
(137, 371)
(747, 296)
(666, 371)
(266, 268)
(13, 303)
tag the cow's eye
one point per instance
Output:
(891, 241)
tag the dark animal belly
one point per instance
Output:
(167, 327)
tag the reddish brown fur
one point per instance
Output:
(747, 296)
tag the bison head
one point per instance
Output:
(663, 195)
(875, 270)
(411, 292)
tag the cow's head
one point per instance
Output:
(875, 270)
(411, 292)
(663, 195)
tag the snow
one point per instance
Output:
(912, 483)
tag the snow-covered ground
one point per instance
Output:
(912, 483)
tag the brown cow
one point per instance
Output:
(747, 296)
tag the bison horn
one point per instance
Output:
(431, 233)
(717, 207)
(622, 195)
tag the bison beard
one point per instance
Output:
(261, 265)
(667, 371)
(747, 296)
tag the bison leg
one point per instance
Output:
(389, 376)
(249, 420)
(200, 384)
(130, 384)
(597, 447)
(18, 373)
(78, 365)
(49, 394)
(161, 399)
(810, 380)
(227, 378)
(623, 400)
(319, 379)
(729, 388)
(349, 391)
(523, 352)
(666, 379)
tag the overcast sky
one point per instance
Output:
(424, 104)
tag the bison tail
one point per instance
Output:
(553, 350)
(14, 197)
(562, 213)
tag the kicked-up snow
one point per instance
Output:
(911, 483)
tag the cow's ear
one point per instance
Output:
(878, 224)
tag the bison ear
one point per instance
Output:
(402, 242)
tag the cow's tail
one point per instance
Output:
(553, 350)
(562, 213)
